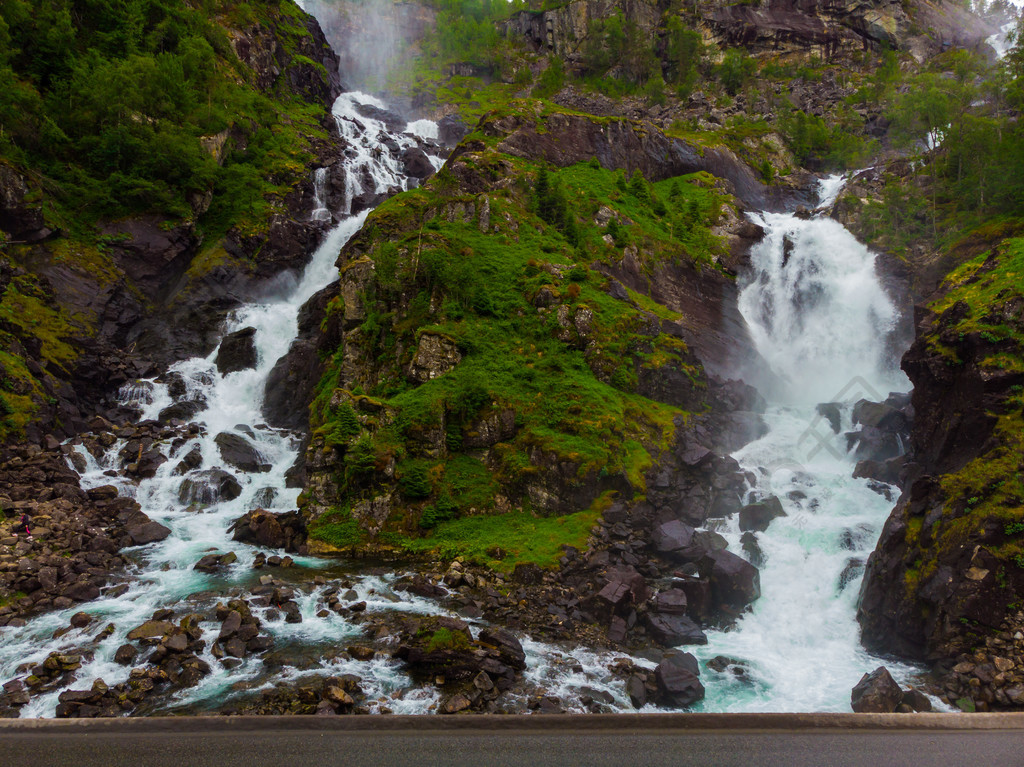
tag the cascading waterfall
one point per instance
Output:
(820, 318)
(320, 211)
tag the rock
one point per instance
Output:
(417, 164)
(675, 537)
(152, 630)
(126, 654)
(670, 602)
(831, 412)
(276, 531)
(735, 583)
(678, 682)
(916, 700)
(757, 516)
(237, 351)
(237, 451)
(673, 630)
(636, 689)
(148, 532)
(454, 704)
(209, 486)
(876, 693)
(435, 355)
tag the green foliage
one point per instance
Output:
(413, 480)
(109, 103)
(551, 80)
(685, 54)
(337, 528)
(736, 70)
(445, 640)
(825, 144)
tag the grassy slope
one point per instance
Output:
(574, 401)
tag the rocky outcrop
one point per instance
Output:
(791, 28)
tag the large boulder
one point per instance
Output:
(275, 531)
(876, 693)
(735, 583)
(209, 486)
(757, 516)
(417, 164)
(147, 532)
(677, 678)
(675, 537)
(237, 351)
(239, 452)
(673, 630)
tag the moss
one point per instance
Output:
(446, 639)
(337, 528)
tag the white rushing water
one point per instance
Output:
(820, 318)
(199, 520)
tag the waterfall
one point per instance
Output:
(320, 211)
(199, 516)
(819, 317)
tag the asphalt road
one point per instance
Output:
(568, 741)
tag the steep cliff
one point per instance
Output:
(946, 577)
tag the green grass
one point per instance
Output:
(337, 528)
(502, 541)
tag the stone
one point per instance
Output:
(636, 689)
(832, 413)
(670, 602)
(152, 630)
(435, 355)
(757, 516)
(148, 532)
(916, 700)
(876, 693)
(237, 351)
(209, 486)
(456, 703)
(674, 537)
(674, 630)
(237, 451)
(678, 682)
(735, 583)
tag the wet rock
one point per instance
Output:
(237, 351)
(276, 531)
(752, 548)
(417, 164)
(757, 516)
(151, 632)
(876, 693)
(636, 689)
(209, 486)
(832, 413)
(237, 451)
(670, 602)
(212, 563)
(678, 682)
(148, 532)
(675, 537)
(735, 583)
(674, 630)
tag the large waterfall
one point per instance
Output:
(820, 318)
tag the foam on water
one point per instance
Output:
(820, 317)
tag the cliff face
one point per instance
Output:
(96, 300)
(946, 575)
(788, 29)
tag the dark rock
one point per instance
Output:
(126, 654)
(417, 164)
(876, 693)
(757, 516)
(148, 532)
(831, 412)
(237, 451)
(673, 630)
(670, 602)
(636, 689)
(237, 351)
(209, 486)
(735, 583)
(678, 682)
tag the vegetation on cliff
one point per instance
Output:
(491, 365)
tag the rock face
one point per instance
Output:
(787, 28)
(237, 351)
(434, 357)
(239, 452)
